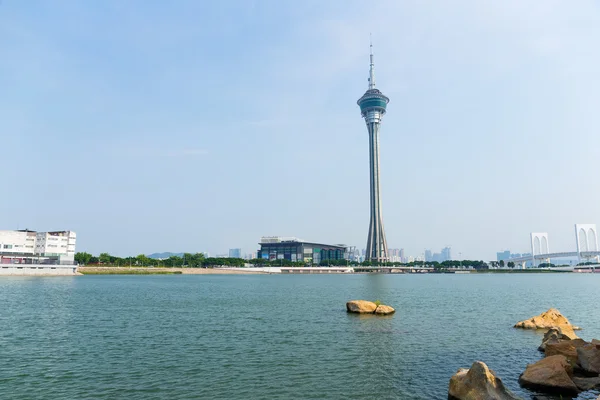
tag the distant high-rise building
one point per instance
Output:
(235, 253)
(428, 255)
(503, 255)
(446, 254)
(394, 255)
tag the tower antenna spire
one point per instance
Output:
(372, 65)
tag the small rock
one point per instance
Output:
(589, 358)
(551, 375)
(384, 310)
(552, 335)
(584, 383)
(549, 319)
(595, 341)
(567, 348)
(477, 383)
(361, 306)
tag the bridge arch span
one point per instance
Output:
(592, 240)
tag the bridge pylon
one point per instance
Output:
(539, 245)
(586, 237)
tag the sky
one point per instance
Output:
(149, 126)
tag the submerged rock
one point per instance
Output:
(361, 306)
(589, 358)
(551, 374)
(550, 319)
(477, 383)
(384, 310)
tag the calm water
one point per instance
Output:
(272, 336)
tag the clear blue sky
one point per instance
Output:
(199, 126)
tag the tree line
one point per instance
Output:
(188, 260)
(197, 260)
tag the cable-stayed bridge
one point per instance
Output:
(586, 238)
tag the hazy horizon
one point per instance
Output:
(201, 126)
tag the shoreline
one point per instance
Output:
(163, 271)
(97, 270)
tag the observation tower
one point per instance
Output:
(372, 107)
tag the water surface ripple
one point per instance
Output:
(273, 336)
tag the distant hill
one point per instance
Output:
(164, 255)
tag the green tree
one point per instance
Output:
(143, 260)
(83, 258)
(104, 258)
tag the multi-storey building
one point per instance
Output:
(22, 245)
(17, 242)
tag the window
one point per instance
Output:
(8, 246)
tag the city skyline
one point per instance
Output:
(235, 120)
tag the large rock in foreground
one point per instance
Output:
(478, 383)
(550, 319)
(361, 306)
(551, 375)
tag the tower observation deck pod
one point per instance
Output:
(373, 105)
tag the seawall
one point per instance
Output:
(37, 270)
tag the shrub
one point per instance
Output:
(377, 303)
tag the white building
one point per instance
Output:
(24, 244)
(28, 253)
(55, 243)
(17, 242)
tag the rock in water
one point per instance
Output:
(589, 358)
(478, 383)
(587, 383)
(567, 348)
(551, 375)
(552, 335)
(384, 310)
(361, 306)
(549, 319)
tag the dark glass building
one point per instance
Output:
(295, 250)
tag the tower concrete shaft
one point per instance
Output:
(373, 106)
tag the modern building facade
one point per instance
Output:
(23, 246)
(373, 106)
(296, 250)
